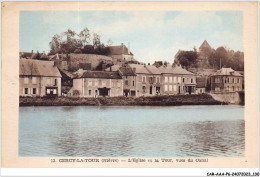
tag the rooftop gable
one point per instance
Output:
(101, 75)
(30, 67)
(227, 72)
(139, 69)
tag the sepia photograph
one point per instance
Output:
(109, 85)
(131, 84)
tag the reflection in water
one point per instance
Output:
(186, 131)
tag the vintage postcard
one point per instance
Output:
(129, 84)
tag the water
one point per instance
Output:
(180, 131)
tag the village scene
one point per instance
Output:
(117, 73)
(131, 84)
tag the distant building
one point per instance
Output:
(31, 55)
(129, 80)
(39, 78)
(120, 54)
(154, 80)
(226, 80)
(98, 83)
(143, 87)
(177, 80)
(201, 85)
(204, 53)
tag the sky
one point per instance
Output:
(151, 35)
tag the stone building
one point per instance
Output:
(120, 54)
(39, 78)
(226, 80)
(98, 83)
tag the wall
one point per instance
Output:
(231, 98)
(40, 85)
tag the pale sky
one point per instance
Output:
(151, 35)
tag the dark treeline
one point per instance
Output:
(221, 57)
(83, 42)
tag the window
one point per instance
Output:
(217, 89)
(133, 83)
(238, 81)
(170, 88)
(26, 91)
(26, 80)
(166, 79)
(191, 80)
(238, 88)
(227, 88)
(54, 91)
(55, 82)
(183, 80)
(33, 80)
(227, 80)
(174, 79)
(89, 92)
(126, 82)
(166, 88)
(34, 90)
(150, 79)
(179, 79)
(233, 80)
(170, 79)
(175, 88)
(143, 88)
(143, 79)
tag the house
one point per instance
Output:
(120, 54)
(226, 80)
(98, 83)
(39, 78)
(201, 85)
(129, 80)
(154, 80)
(177, 80)
(185, 79)
(143, 87)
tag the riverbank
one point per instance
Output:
(173, 100)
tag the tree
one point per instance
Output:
(96, 40)
(109, 42)
(85, 36)
(187, 58)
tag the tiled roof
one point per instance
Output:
(113, 68)
(179, 70)
(29, 67)
(201, 82)
(227, 72)
(153, 70)
(139, 69)
(127, 71)
(101, 75)
(118, 50)
(166, 69)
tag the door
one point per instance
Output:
(179, 89)
(189, 89)
(151, 90)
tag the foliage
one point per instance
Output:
(84, 42)
(187, 58)
(223, 57)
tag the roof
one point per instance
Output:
(139, 69)
(119, 50)
(227, 72)
(101, 75)
(205, 44)
(153, 69)
(113, 68)
(201, 82)
(166, 69)
(29, 67)
(179, 70)
(127, 71)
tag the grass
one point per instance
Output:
(173, 100)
